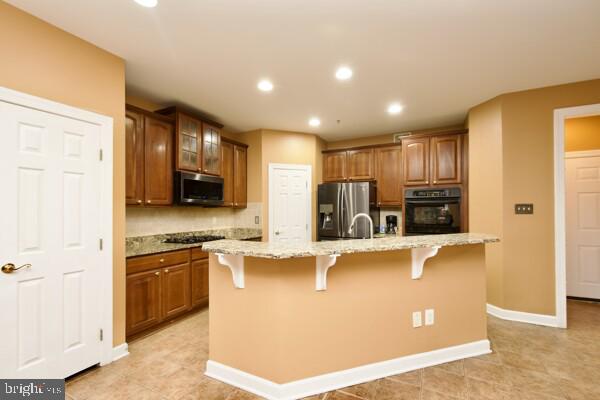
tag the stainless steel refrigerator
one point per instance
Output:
(338, 203)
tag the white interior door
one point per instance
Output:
(50, 213)
(289, 203)
(583, 226)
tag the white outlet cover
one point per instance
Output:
(429, 316)
(416, 317)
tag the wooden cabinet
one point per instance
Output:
(175, 290)
(227, 172)
(211, 153)
(134, 158)
(158, 162)
(143, 301)
(416, 161)
(234, 158)
(188, 142)
(334, 166)
(360, 164)
(240, 176)
(199, 277)
(446, 159)
(158, 288)
(389, 176)
(148, 158)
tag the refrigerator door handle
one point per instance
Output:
(342, 212)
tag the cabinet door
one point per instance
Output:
(240, 186)
(199, 282)
(158, 162)
(134, 158)
(446, 159)
(360, 164)
(211, 153)
(189, 143)
(142, 301)
(175, 290)
(334, 166)
(389, 176)
(227, 173)
(416, 161)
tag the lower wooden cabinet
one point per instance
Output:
(164, 286)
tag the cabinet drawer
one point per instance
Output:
(144, 263)
(198, 254)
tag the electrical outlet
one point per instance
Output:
(429, 316)
(256, 220)
(416, 316)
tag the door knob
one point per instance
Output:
(277, 232)
(10, 268)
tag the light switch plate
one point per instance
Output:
(256, 220)
(429, 316)
(416, 317)
(524, 208)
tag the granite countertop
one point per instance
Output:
(310, 249)
(143, 245)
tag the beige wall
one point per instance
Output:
(382, 139)
(527, 176)
(291, 331)
(582, 134)
(44, 61)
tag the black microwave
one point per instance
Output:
(198, 189)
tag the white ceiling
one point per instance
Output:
(436, 57)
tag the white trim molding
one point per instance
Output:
(582, 154)
(336, 380)
(560, 226)
(120, 351)
(520, 316)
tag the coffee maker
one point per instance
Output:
(391, 224)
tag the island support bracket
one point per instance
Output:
(418, 258)
(236, 265)
(323, 265)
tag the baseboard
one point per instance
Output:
(120, 351)
(336, 380)
(520, 316)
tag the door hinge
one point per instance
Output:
(101, 155)
(101, 244)
(101, 335)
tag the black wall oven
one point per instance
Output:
(432, 211)
(198, 189)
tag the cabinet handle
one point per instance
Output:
(162, 260)
(157, 273)
(166, 271)
(434, 181)
(148, 201)
(139, 202)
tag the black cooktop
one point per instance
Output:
(192, 239)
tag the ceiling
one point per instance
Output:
(437, 58)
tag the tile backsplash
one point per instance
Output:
(152, 221)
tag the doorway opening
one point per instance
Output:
(576, 205)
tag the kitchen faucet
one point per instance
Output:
(367, 217)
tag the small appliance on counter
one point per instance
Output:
(338, 203)
(391, 224)
(432, 211)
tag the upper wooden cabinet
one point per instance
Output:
(360, 165)
(197, 142)
(334, 166)
(389, 175)
(149, 158)
(446, 159)
(211, 153)
(233, 162)
(416, 161)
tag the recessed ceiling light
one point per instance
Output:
(265, 85)
(343, 73)
(394, 108)
(314, 121)
(147, 3)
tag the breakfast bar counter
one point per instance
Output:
(289, 321)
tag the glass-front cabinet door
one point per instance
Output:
(189, 143)
(211, 157)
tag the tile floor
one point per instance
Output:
(528, 363)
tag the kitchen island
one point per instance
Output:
(288, 321)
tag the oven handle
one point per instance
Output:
(431, 201)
